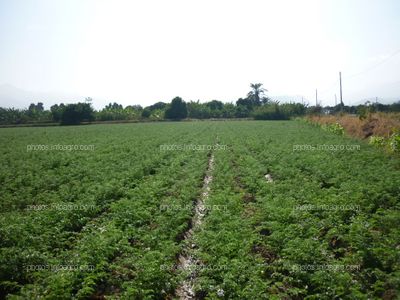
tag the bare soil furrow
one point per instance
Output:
(186, 260)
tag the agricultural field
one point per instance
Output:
(197, 210)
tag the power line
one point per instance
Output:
(374, 66)
(360, 73)
(330, 87)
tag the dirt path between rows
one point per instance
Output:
(186, 260)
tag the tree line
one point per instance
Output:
(255, 105)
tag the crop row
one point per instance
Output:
(114, 218)
(286, 219)
(326, 227)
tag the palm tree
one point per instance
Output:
(257, 94)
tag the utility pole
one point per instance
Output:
(316, 97)
(340, 80)
(335, 100)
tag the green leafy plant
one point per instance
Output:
(394, 141)
(335, 128)
(377, 141)
(268, 239)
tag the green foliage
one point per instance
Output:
(35, 114)
(74, 114)
(142, 199)
(263, 235)
(177, 110)
(276, 111)
(257, 95)
(157, 106)
(394, 141)
(270, 112)
(125, 235)
(146, 113)
(57, 111)
(362, 112)
(215, 105)
(198, 110)
(377, 141)
(256, 104)
(242, 111)
(335, 128)
(12, 116)
(392, 144)
(213, 109)
(115, 111)
(247, 103)
(315, 110)
(365, 111)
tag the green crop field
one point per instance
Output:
(197, 210)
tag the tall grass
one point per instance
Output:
(377, 124)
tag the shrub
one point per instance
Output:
(146, 113)
(377, 141)
(270, 112)
(394, 142)
(74, 114)
(177, 110)
(335, 128)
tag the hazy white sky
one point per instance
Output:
(141, 52)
